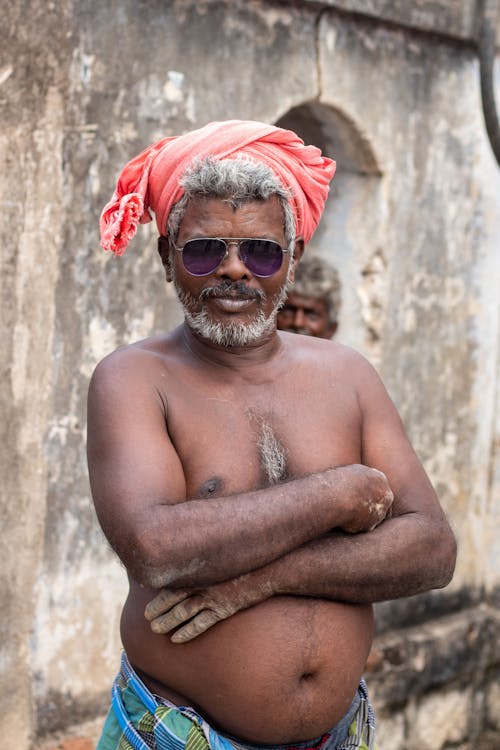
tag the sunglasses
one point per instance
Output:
(203, 255)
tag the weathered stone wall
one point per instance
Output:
(414, 225)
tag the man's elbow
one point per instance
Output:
(157, 566)
(444, 558)
(146, 574)
(144, 561)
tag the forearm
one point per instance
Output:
(198, 543)
(401, 557)
(201, 542)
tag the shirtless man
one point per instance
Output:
(313, 303)
(230, 469)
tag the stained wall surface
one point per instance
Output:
(413, 224)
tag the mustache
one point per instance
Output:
(236, 289)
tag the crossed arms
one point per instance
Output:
(212, 558)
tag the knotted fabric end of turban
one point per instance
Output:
(152, 179)
(127, 208)
(120, 223)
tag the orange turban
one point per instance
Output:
(151, 180)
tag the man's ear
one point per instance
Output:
(297, 255)
(332, 330)
(164, 252)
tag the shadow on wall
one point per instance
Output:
(350, 234)
(335, 134)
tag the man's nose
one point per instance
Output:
(232, 266)
(298, 318)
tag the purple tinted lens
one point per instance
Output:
(201, 257)
(262, 257)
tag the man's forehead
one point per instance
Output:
(208, 203)
(207, 211)
(305, 302)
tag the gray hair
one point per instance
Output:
(236, 181)
(316, 278)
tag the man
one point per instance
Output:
(230, 468)
(313, 303)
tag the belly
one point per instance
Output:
(283, 671)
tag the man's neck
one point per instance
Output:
(260, 352)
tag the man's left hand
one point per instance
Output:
(192, 612)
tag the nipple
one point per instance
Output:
(211, 488)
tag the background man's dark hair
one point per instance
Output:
(315, 277)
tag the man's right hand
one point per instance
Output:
(368, 498)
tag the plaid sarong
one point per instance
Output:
(139, 720)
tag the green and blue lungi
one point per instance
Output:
(139, 720)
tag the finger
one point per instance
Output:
(166, 599)
(198, 625)
(180, 613)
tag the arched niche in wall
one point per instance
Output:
(351, 232)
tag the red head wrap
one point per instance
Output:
(151, 180)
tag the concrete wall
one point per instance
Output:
(413, 224)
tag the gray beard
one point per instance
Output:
(231, 333)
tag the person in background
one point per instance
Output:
(313, 303)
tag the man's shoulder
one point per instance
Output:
(138, 360)
(325, 359)
(327, 352)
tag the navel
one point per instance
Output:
(307, 676)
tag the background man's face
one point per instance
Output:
(306, 315)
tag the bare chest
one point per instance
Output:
(233, 439)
